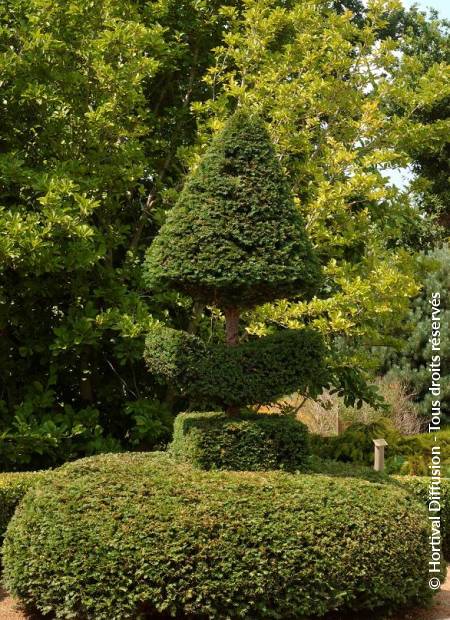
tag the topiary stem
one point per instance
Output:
(232, 325)
(232, 337)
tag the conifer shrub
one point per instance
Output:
(355, 444)
(235, 236)
(410, 454)
(429, 318)
(236, 239)
(257, 371)
(254, 442)
(114, 536)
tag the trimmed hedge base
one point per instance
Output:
(417, 487)
(250, 442)
(112, 537)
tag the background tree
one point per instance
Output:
(411, 362)
(421, 97)
(95, 103)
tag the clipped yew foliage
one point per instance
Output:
(419, 487)
(235, 236)
(257, 371)
(213, 440)
(114, 536)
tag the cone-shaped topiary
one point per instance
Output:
(235, 237)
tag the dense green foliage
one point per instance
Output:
(46, 439)
(253, 372)
(426, 115)
(13, 487)
(355, 444)
(235, 237)
(110, 536)
(344, 469)
(107, 105)
(95, 107)
(412, 454)
(411, 363)
(211, 440)
(419, 487)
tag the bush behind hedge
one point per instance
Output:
(108, 537)
(253, 442)
(13, 487)
(405, 454)
(355, 444)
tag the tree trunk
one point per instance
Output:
(232, 336)
(232, 325)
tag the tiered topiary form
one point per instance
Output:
(235, 239)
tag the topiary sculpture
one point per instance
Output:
(235, 239)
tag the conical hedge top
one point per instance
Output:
(235, 237)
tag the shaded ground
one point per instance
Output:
(439, 611)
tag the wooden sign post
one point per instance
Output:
(380, 445)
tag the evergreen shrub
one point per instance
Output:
(114, 536)
(254, 442)
(257, 371)
(411, 362)
(410, 454)
(355, 444)
(235, 236)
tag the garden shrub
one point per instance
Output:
(422, 444)
(399, 407)
(235, 236)
(329, 467)
(410, 363)
(253, 442)
(257, 371)
(412, 454)
(418, 487)
(34, 439)
(355, 444)
(13, 487)
(110, 537)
